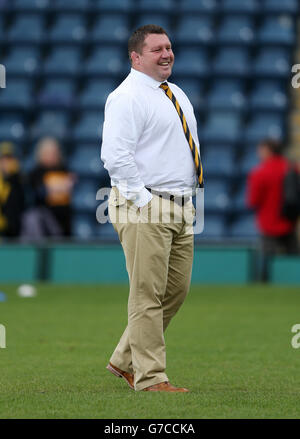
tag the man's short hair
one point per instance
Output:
(275, 146)
(137, 38)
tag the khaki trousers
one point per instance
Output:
(158, 244)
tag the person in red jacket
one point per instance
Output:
(265, 195)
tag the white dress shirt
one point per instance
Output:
(143, 142)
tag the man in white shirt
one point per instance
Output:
(153, 176)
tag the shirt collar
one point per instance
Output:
(145, 79)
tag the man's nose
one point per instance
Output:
(165, 53)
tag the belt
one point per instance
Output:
(181, 200)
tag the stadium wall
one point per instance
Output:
(77, 263)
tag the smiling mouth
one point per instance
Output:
(165, 64)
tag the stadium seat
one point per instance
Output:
(18, 94)
(214, 227)
(85, 161)
(22, 61)
(268, 95)
(51, 123)
(68, 28)
(105, 60)
(27, 28)
(249, 160)
(233, 61)
(216, 197)
(156, 5)
(70, 4)
(194, 29)
(89, 127)
(106, 232)
(116, 5)
(32, 5)
(12, 127)
(277, 30)
(288, 6)
(222, 127)
(227, 94)
(96, 92)
(219, 161)
(57, 92)
(272, 62)
(83, 225)
(111, 28)
(194, 90)
(244, 226)
(236, 29)
(264, 125)
(204, 6)
(84, 196)
(196, 60)
(63, 60)
(158, 19)
(236, 6)
(2, 32)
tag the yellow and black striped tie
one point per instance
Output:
(187, 133)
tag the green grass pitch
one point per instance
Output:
(230, 345)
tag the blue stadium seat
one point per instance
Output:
(236, 6)
(83, 225)
(214, 227)
(191, 62)
(249, 160)
(106, 232)
(68, 28)
(23, 61)
(51, 123)
(96, 92)
(89, 127)
(264, 125)
(236, 29)
(84, 195)
(268, 95)
(158, 19)
(216, 195)
(222, 126)
(204, 6)
(116, 5)
(27, 28)
(110, 27)
(219, 161)
(195, 29)
(105, 60)
(63, 60)
(277, 30)
(233, 61)
(70, 4)
(57, 92)
(288, 6)
(156, 5)
(272, 62)
(12, 127)
(33, 5)
(244, 226)
(18, 94)
(193, 88)
(85, 161)
(227, 94)
(239, 202)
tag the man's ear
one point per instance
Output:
(135, 57)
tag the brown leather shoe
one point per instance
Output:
(128, 377)
(165, 387)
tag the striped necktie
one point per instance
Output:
(187, 133)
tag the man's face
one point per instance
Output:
(156, 59)
(263, 152)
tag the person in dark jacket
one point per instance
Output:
(265, 196)
(11, 192)
(51, 184)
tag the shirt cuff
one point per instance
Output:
(143, 198)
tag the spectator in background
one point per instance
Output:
(11, 192)
(265, 196)
(51, 185)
